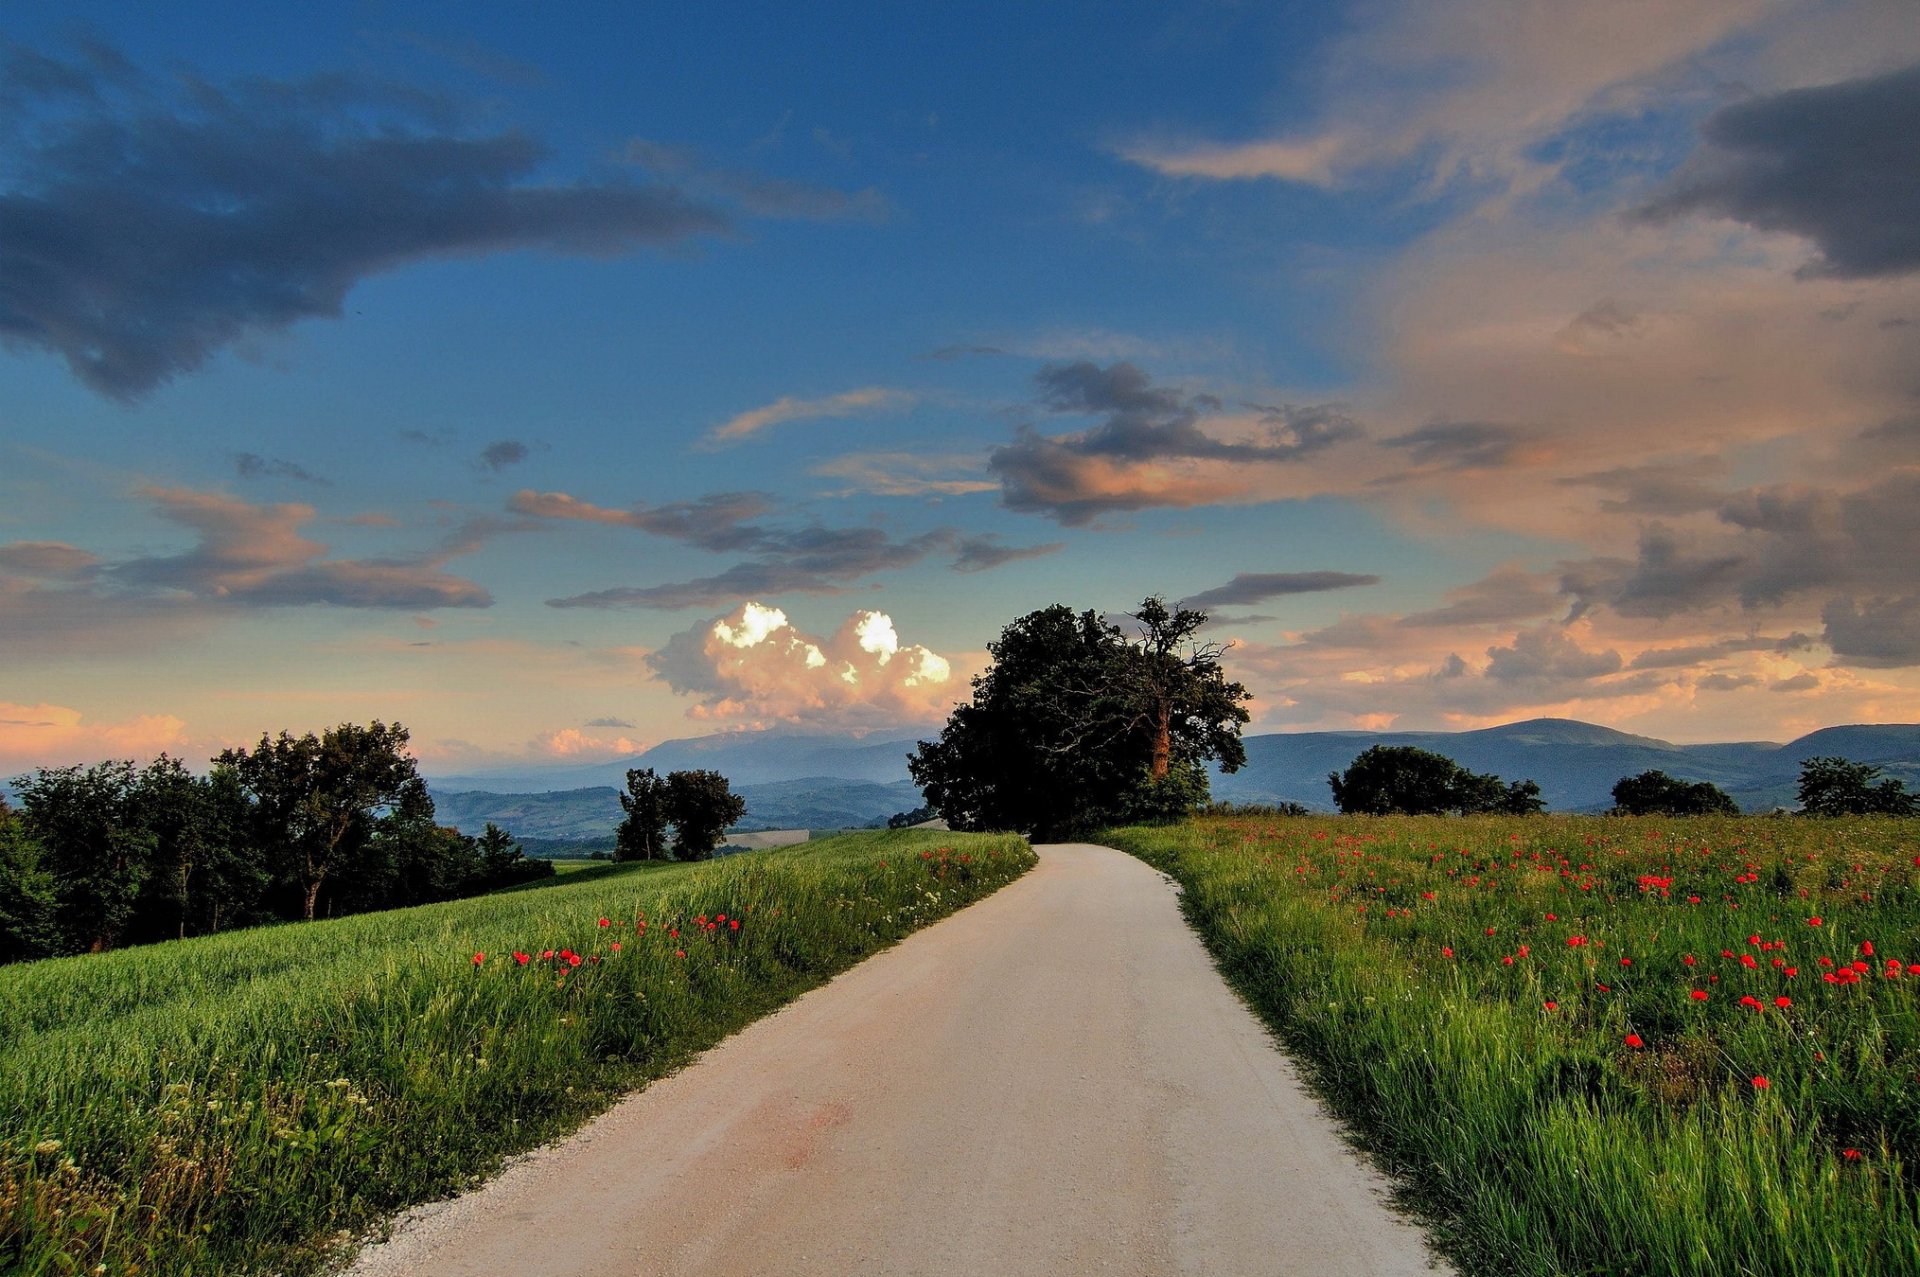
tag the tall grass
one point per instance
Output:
(251, 1101)
(1505, 1011)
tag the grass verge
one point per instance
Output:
(1596, 1045)
(253, 1101)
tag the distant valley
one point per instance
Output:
(833, 782)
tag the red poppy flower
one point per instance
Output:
(606, 922)
(479, 958)
(679, 953)
(573, 960)
(1552, 1006)
(1626, 962)
(522, 958)
(1698, 995)
(1783, 1002)
(1760, 1083)
(1866, 947)
(1635, 1041)
(616, 946)
(1851, 1154)
(733, 924)
(1813, 922)
(1446, 951)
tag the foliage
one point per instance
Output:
(908, 819)
(1073, 725)
(240, 1103)
(643, 834)
(314, 796)
(701, 806)
(1654, 793)
(1597, 1044)
(1840, 787)
(96, 844)
(29, 903)
(1406, 780)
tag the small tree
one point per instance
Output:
(643, 834)
(96, 846)
(1841, 787)
(1654, 793)
(504, 862)
(1405, 780)
(701, 806)
(314, 796)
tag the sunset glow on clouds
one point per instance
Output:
(1470, 361)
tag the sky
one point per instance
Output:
(559, 382)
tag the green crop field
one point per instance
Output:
(252, 1101)
(1597, 1045)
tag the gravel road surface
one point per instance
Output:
(1053, 1081)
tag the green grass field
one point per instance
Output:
(250, 1101)
(1597, 1045)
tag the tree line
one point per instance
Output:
(110, 854)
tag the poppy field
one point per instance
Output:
(1596, 1044)
(254, 1101)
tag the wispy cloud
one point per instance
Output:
(1257, 587)
(847, 403)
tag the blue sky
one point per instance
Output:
(486, 370)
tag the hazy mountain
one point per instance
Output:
(745, 758)
(820, 782)
(593, 812)
(1576, 764)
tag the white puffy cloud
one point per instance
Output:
(752, 667)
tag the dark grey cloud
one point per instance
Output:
(1462, 445)
(507, 452)
(1668, 577)
(1549, 655)
(1805, 681)
(980, 553)
(1667, 658)
(1257, 587)
(717, 521)
(812, 560)
(1880, 633)
(1503, 596)
(147, 224)
(608, 722)
(1074, 479)
(1661, 489)
(1733, 682)
(1838, 164)
(251, 465)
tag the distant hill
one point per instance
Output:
(1575, 763)
(824, 782)
(593, 812)
(745, 758)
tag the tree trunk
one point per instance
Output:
(1162, 740)
(313, 897)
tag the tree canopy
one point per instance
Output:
(699, 806)
(1075, 724)
(1654, 793)
(1406, 780)
(1842, 787)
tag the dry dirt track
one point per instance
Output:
(1053, 1081)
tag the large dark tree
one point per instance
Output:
(1406, 780)
(1842, 787)
(643, 833)
(1654, 793)
(314, 796)
(97, 847)
(29, 901)
(701, 806)
(1073, 726)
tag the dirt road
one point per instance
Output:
(1053, 1081)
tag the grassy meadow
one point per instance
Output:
(251, 1101)
(1596, 1045)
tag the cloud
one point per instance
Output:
(498, 456)
(906, 474)
(751, 667)
(1149, 450)
(47, 560)
(1463, 445)
(609, 722)
(1506, 594)
(788, 408)
(251, 465)
(1879, 633)
(1549, 653)
(716, 521)
(1669, 487)
(46, 735)
(1306, 160)
(1257, 587)
(571, 742)
(756, 192)
(980, 553)
(147, 224)
(812, 560)
(947, 354)
(1834, 164)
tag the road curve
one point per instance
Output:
(1052, 1081)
